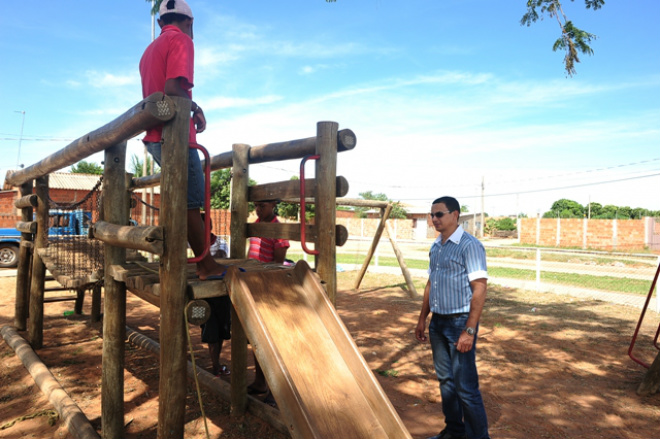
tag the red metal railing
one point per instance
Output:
(207, 203)
(639, 323)
(303, 205)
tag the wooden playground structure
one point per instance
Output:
(287, 314)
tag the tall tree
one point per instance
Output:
(572, 39)
(83, 167)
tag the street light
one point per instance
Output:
(20, 137)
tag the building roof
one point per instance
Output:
(68, 180)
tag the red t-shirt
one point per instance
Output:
(169, 56)
(263, 249)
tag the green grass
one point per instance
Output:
(605, 283)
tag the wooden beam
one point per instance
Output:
(73, 418)
(29, 200)
(27, 226)
(36, 314)
(325, 207)
(24, 263)
(291, 190)
(173, 219)
(239, 214)
(115, 210)
(291, 231)
(385, 213)
(152, 111)
(288, 150)
(651, 382)
(412, 291)
(147, 238)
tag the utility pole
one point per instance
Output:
(20, 138)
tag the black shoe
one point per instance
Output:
(444, 434)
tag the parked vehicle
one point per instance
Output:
(61, 223)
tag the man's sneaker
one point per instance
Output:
(444, 434)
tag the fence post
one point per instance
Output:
(585, 229)
(239, 213)
(538, 228)
(115, 210)
(23, 269)
(36, 317)
(326, 208)
(173, 266)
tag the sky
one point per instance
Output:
(446, 97)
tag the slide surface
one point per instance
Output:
(322, 384)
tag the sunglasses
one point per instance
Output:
(439, 215)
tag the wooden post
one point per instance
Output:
(23, 269)
(115, 209)
(239, 214)
(36, 318)
(326, 208)
(385, 214)
(173, 266)
(412, 292)
(96, 302)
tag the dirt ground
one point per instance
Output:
(550, 367)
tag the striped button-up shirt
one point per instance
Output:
(453, 265)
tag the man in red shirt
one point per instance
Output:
(168, 66)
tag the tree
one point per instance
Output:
(397, 210)
(565, 208)
(572, 39)
(83, 167)
(137, 167)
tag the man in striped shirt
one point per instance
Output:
(455, 293)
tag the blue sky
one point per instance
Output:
(441, 94)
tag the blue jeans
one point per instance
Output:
(462, 404)
(195, 174)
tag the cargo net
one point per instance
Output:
(70, 251)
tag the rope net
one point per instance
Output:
(70, 251)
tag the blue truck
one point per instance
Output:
(61, 224)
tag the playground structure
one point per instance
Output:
(270, 302)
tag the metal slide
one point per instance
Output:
(323, 386)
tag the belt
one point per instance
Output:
(451, 316)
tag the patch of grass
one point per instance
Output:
(388, 373)
(605, 283)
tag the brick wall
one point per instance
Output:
(601, 234)
(9, 215)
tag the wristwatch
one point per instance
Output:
(470, 331)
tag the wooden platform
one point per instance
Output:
(143, 280)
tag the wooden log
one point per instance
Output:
(29, 201)
(71, 415)
(36, 314)
(291, 231)
(173, 219)
(147, 238)
(291, 190)
(213, 384)
(289, 150)
(152, 111)
(26, 226)
(96, 303)
(385, 213)
(412, 291)
(651, 382)
(325, 213)
(24, 263)
(115, 210)
(239, 214)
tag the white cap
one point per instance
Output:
(175, 7)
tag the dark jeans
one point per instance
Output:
(462, 404)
